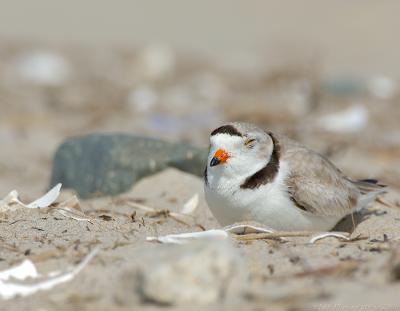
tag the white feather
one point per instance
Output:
(268, 204)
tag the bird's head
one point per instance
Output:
(238, 149)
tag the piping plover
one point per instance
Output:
(255, 175)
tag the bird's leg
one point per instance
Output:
(353, 221)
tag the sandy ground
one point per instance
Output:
(278, 274)
(184, 98)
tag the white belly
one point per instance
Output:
(269, 205)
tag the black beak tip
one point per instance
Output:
(214, 162)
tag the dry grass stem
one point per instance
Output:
(273, 235)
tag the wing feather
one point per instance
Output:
(317, 186)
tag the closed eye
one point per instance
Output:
(249, 143)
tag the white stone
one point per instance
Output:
(43, 67)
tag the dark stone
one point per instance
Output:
(109, 164)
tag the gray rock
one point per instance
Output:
(111, 164)
(197, 273)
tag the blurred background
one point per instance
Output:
(323, 72)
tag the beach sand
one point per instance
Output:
(280, 274)
(185, 104)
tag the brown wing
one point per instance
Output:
(317, 186)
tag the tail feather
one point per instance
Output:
(368, 180)
(370, 185)
(370, 189)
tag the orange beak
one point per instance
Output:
(220, 157)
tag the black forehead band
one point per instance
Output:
(227, 129)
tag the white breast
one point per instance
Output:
(268, 204)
